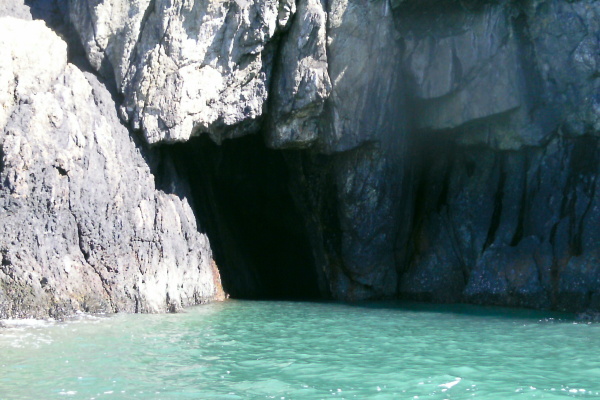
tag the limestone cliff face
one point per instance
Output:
(441, 150)
(82, 227)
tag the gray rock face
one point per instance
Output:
(368, 98)
(182, 66)
(82, 226)
(464, 68)
(496, 213)
(194, 67)
(355, 200)
(201, 67)
(567, 54)
(509, 228)
(301, 81)
(15, 9)
(352, 204)
(443, 150)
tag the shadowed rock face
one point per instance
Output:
(441, 150)
(504, 98)
(510, 228)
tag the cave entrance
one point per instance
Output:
(240, 194)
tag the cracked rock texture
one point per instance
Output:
(82, 227)
(301, 82)
(507, 190)
(444, 150)
(190, 67)
(449, 147)
(183, 66)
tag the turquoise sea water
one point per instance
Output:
(287, 350)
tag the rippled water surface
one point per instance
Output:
(286, 350)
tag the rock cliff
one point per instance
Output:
(83, 227)
(442, 150)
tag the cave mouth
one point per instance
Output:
(240, 194)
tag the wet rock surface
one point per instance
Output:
(510, 228)
(440, 150)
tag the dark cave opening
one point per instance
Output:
(1, 161)
(240, 194)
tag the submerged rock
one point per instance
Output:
(83, 227)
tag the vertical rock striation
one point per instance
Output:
(507, 195)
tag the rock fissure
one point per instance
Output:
(1, 165)
(133, 57)
(498, 203)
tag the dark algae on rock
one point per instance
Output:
(438, 150)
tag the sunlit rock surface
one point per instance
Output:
(301, 82)
(16, 9)
(183, 66)
(82, 227)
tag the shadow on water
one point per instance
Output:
(470, 310)
(423, 308)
